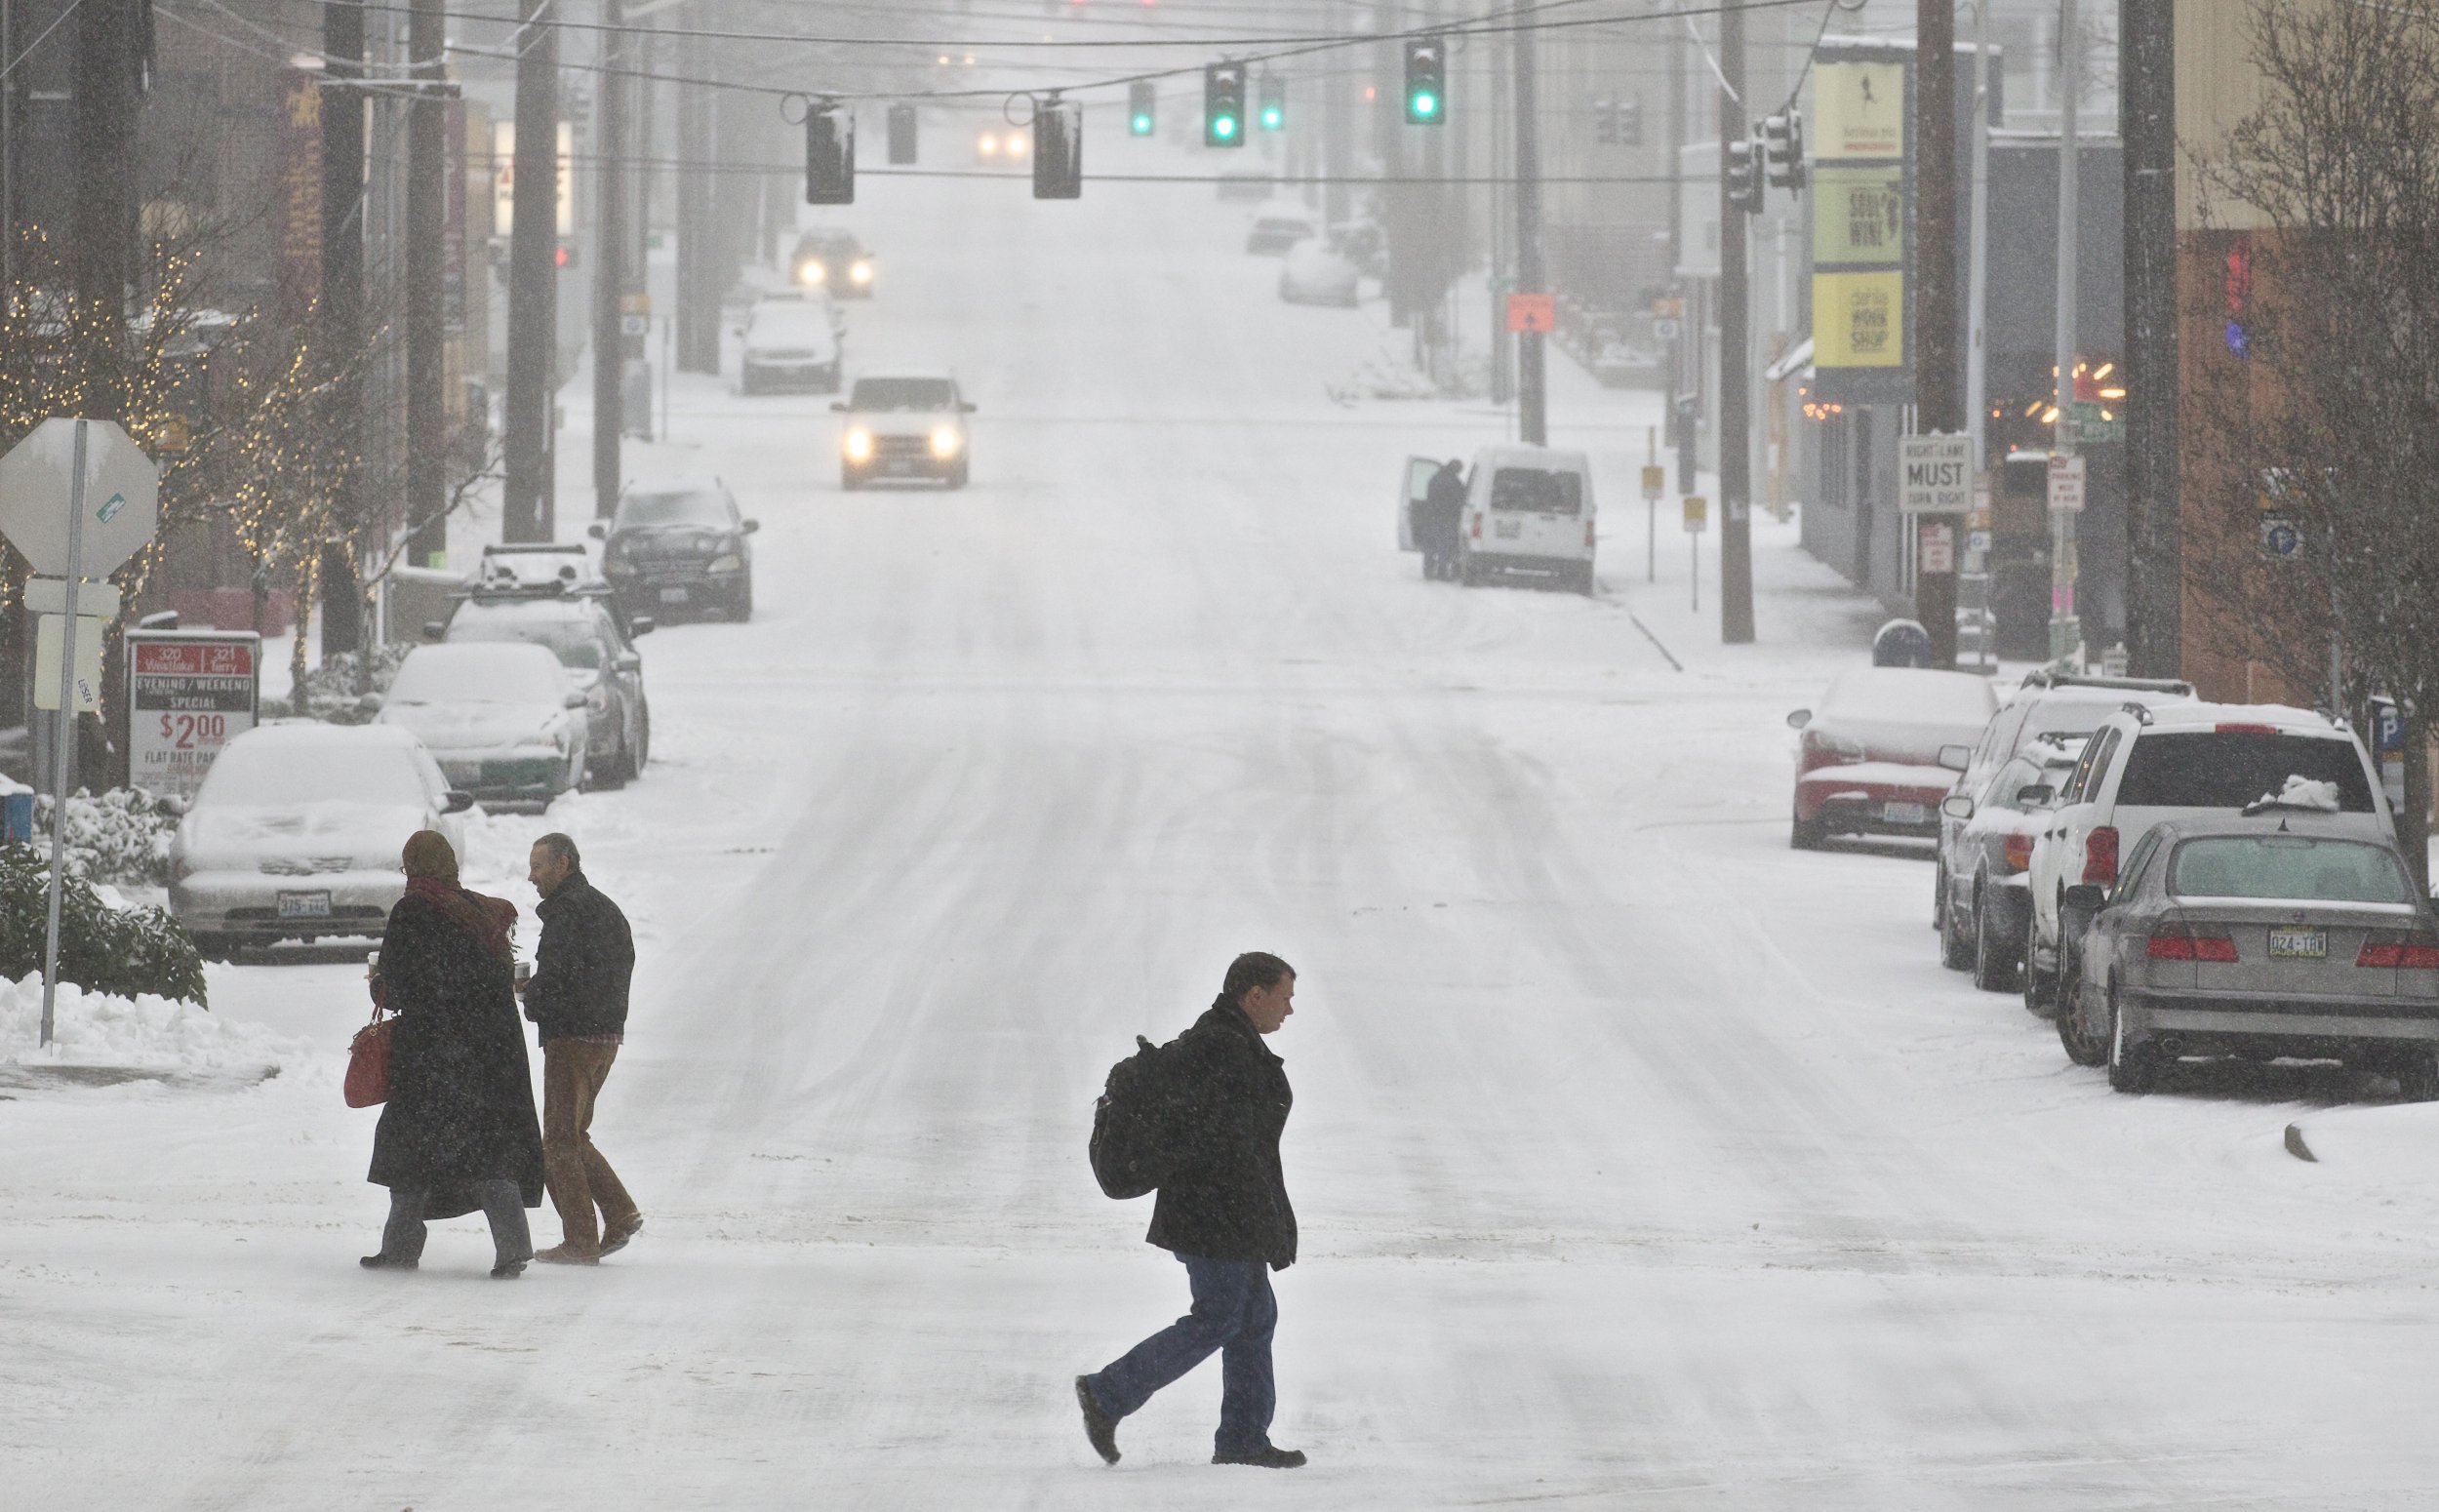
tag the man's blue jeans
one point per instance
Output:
(1233, 1313)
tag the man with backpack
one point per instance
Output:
(1214, 1102)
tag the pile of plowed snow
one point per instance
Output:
(153, 1033)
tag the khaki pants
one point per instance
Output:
(579, 1178)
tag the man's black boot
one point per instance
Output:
(1098, 1426)
(1269, 1456)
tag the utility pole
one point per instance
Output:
(526, 506)
(1939, 356)
(427, 255)
(1500, 66)
(1674, 364)
(2065, 628)
(8, 150)
(1735, 350)
(342, 300)
(698, 313)
(1978, 254)
(2146, 113)
(1532, 374)
(610, 265)
(108, 78)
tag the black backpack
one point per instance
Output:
(1135, 1125)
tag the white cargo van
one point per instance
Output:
(1529, 509)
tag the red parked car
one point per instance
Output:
(1883, 749)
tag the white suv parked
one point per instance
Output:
(2146, 765)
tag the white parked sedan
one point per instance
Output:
(1315, 273)
(501, 716)
(295, 834)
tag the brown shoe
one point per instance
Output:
(616, 1238)
(568, 1255)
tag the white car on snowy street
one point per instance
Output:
(1529, 509)
(1313, 272)
(903, 425)
(790, 342)
(501, 716)
(296, 830)
(2145, 765)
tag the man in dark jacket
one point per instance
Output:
(1225, 1215)
(577, 997)
(1442, 528)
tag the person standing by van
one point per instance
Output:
(1442, 527)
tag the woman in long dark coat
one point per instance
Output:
(458, 1131)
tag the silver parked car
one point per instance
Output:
(2289, 931)
(583, 630)
(1984, 892)
(502, 719)
(296, 830)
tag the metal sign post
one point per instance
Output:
(84, 461)
(1655, 484)
(1696, 521)
(63, 751)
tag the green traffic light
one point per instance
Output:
(1271, 119)
(1142, 126)
(1426, 103)
(1223, 126)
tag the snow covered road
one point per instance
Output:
(1642, 1162)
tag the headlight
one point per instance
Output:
(1016, 144)
(945, 442)
(858, 444)
(811, 271)
(986, 144)
(862, 272)
(728, 564)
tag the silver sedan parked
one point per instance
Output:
(2282, 933)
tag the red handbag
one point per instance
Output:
(368, 1063)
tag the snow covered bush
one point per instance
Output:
(334, 692)
(121, 951)
(120, 837)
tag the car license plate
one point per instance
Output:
(304, 905)
(1508, 530)
(673, 595)
(1904, 812)
(2298, 944)
(899, 466)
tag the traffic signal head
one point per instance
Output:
(1782, 140)
(1058, 149)
(1427, 81)
(829, 154)
(1223, 106)
(901, 135)
(1273, 115)
(1605, 120)
(1630, 122)
(1741, 186)
(1139, 99)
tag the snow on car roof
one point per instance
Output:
(2293, 720)
(1909, 692)
(1548, 459)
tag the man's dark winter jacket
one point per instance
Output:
(1230, 1203)
(580, 968)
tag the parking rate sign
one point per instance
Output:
(190, 693)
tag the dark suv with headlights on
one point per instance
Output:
(679, 546)
(834, 260)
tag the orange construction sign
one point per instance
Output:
(1532, 312)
